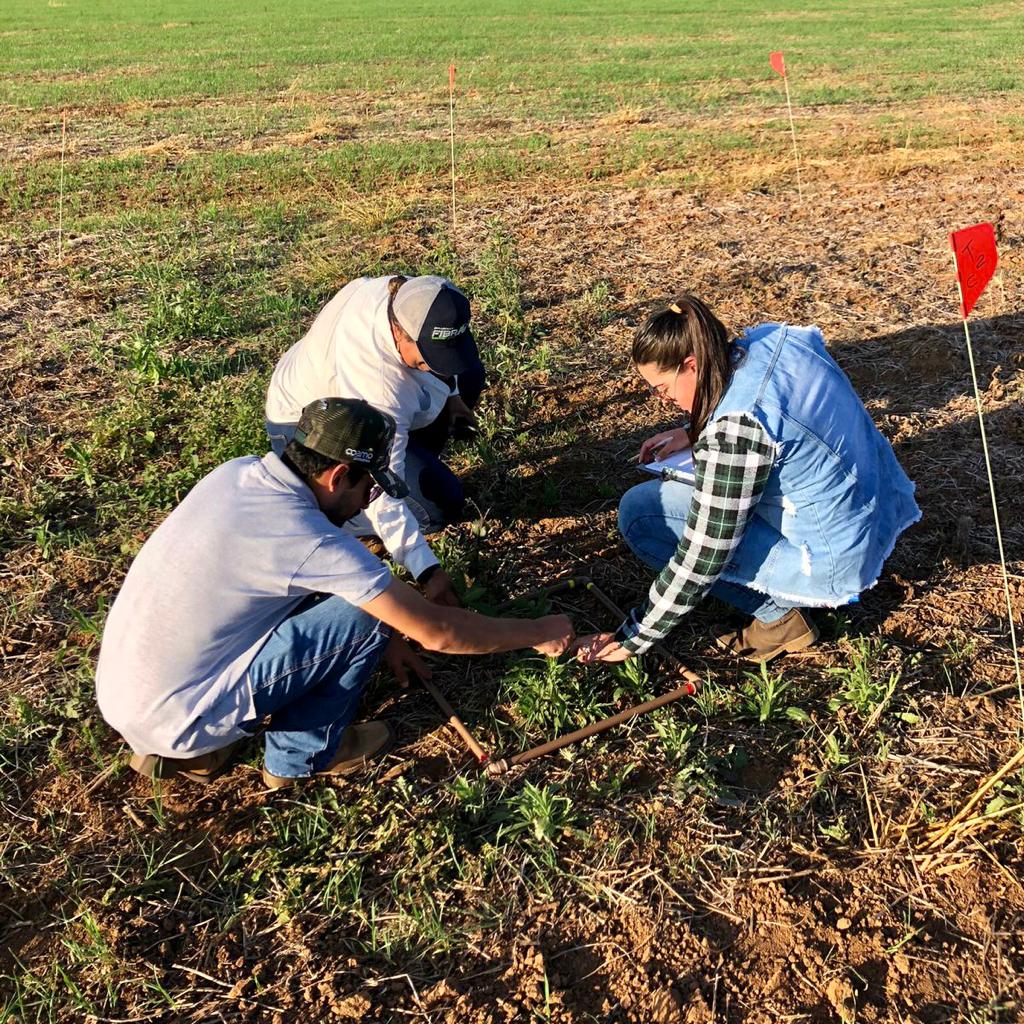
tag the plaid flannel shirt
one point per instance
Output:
(732, 462)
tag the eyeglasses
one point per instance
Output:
(375, 492)
(664, 390)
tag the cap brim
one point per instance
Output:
(391, 483)
(450, 360)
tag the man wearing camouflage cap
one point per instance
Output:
(405, 346)
(249, 602)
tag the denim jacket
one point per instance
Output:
(836, 499)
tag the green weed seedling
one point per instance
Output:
(474, 795)
(142, 355)
(763, 693)
(148, 869)
(539, 815)
(679, 743)
(90, 625)
(864, 686)
(632, 679)
(677, 738)
(834, 624)
(833, 757)
(837, 830)
(82, 467)
(22, 731)
(712, 698)
(458, 554)
(341, 890)
(554, 696)
(42, 994)
(613, 784)
(1008, 800)
(410, 926)
(961, 650)
(155, 806)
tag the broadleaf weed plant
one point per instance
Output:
(540, 815)
(763, 693)
(555, 696)
(864, 685)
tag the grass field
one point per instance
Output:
(758, 854)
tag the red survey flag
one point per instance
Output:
(451, 77)
(974, 251)
(778, 62)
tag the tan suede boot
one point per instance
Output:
(203, 768)
(763, 641)
(360, 745)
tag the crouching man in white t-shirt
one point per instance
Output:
(406, 347)
(249, 602)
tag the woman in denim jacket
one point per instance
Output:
(797, 501)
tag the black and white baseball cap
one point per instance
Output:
(351, 430)
(435, 314)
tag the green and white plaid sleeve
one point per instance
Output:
(732, 462)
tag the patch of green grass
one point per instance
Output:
(869, 683)
(559, 60)
(554, 696)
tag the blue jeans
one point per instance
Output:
(309, 676)
(652, 518)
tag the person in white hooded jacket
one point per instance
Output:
(405, 346)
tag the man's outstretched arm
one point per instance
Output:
(459, 631)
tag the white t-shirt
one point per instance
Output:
(243, 549)
(349, 352)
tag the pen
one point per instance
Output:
(657, 448)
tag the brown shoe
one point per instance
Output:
(204, 768)
(763, 641)
(360, 744)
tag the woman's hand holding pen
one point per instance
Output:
(668, 442)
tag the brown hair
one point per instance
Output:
(688, 328)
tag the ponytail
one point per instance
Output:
(688, 328)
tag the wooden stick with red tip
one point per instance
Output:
(778, 63)
(502, 765)
(455, 722)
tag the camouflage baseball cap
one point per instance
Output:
(351, 430)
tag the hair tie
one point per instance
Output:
(675, 309)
